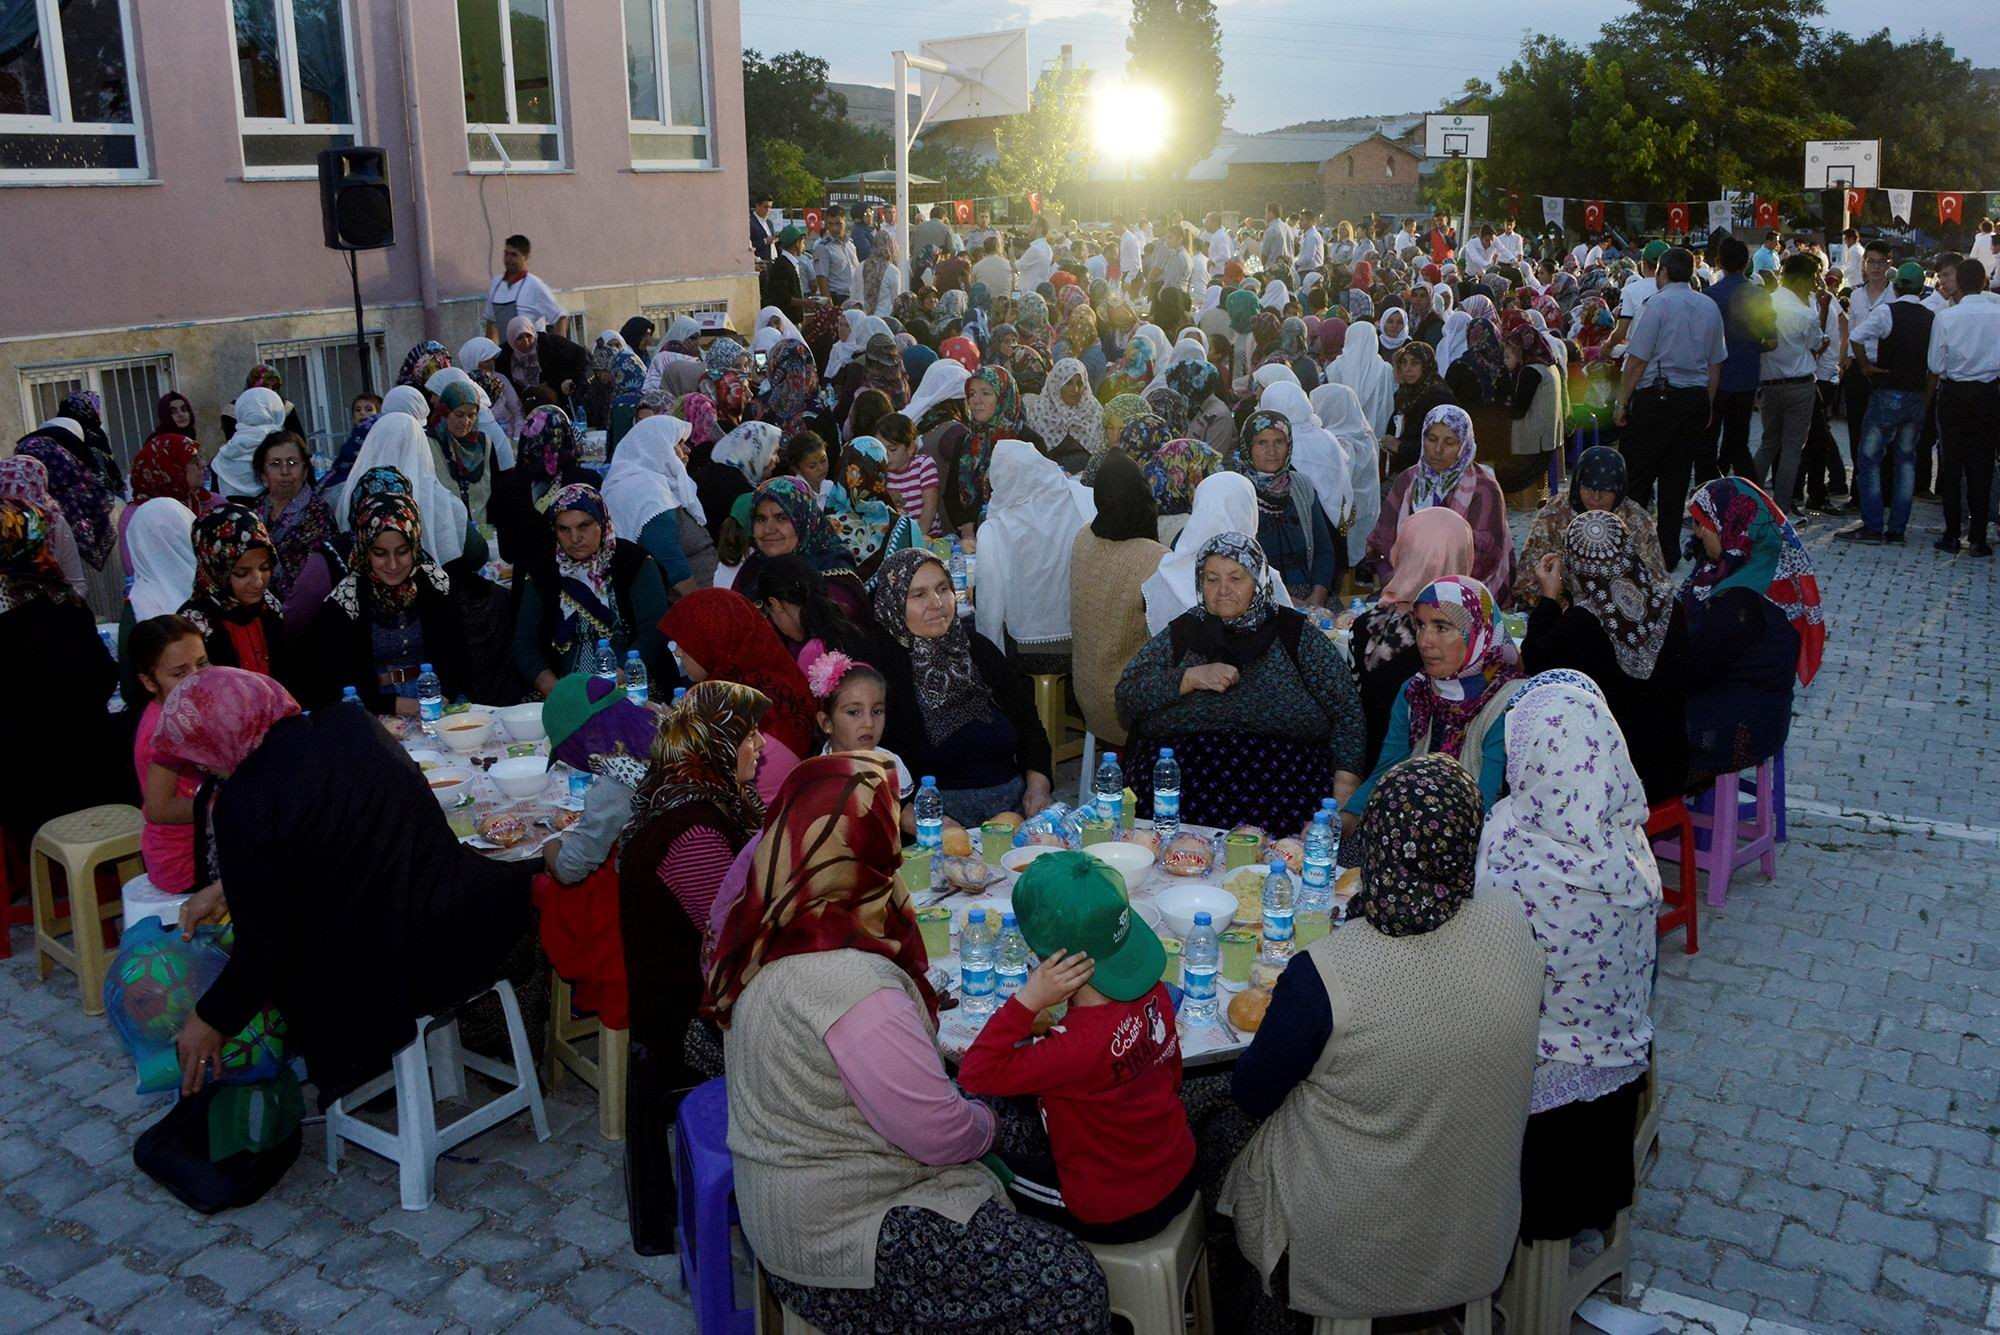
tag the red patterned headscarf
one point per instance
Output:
(719, 629)
(161, 469)
(216, 718)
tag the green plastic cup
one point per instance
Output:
(917, 869)
(1172, 973)
(934, 924)
(995, 839)
(1240, 850)
(1239, 951)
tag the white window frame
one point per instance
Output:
(290, 123)
(665, 91)
(313, 351)
(91, 373)
(55, 73)
(514, 126)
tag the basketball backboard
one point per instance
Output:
(1453, 136)
(1835, 163)
(998, 62)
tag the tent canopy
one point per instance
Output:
(880, 178)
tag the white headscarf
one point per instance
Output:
(1275, 373)
(1210, 299)
(1054, 420)
(1155, 339)
(1387, 341)
(1339, 411)
(943, 379)
(409, 401)
(1569, 842)
(772, 317)
(1452, 346)
(1021, 583)
(647, 478)
(398, 441)
(770, 336)
(850, 347)
(476, 350)
(748, 449)
(489, 425)
(258, 413)
(162, 557)
(682, 329)
(1315, 452)
(1276, 294)
(1361, 368)
(1223, 503)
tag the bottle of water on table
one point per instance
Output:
(604, 664)
(1110, 790)
(1166, 795)
(930, 816)
(1316, 878)
(976, 981)
(959, 573)
(1010, 967)
(430, 700)
(1278, 915)
(637, 689)
(1201, 960)
(349, 696)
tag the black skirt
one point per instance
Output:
(1576, 1165)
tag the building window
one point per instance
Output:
(1389, 167)
(507, 58)
(1350, 168)
(294, 84)
(68, 109)
(666, 79)
(710, 315)
(322, 376)
(130, 389)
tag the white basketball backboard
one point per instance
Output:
(1452, 136)
(998, 62)
(1833, 163)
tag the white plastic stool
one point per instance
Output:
(1478, 1321)
(142, 900)
(773, 1317)
(430, 1067)
(1149, 1280)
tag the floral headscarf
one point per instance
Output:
(1079, 330)
(1169, 407)
(1194, 381)
(867, 508)
(161, 469)
(548, 443)
(377, 482)
(976, 449)
(1055, 421)
(220, 538)
(1274, 490)
(824, 878)
(1491, 664)
(1029, 367)
(613, 354)
(819, 546)
(28, 568)
(1485, 356)
(264, 376)
(379, 513)
(422, 362)
(80, 491)
(1531, 345)
(1431, 487)
(694, 756)
(588, 603)
(732, 641)
(950, 690)
(882, 368)
(1606, 578)
(1174, 470)
(1760, 550)
(698, 411)
(1419, 846)
(1142, 434)
(216, 718)
(722, 357)
(790, 387)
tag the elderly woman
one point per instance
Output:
(992, 414)
(722, 637)
(387, 617)
(1430, 544)
(596, 587)
(1258, 707)
(1111, 557)
(1222, 503)
(1598, 483)
(1448, 474)
(465, 455)
(1604, 614)
(958, 711)
(300, 525)
(295, 792)
(650, 495)
(1385, 1176)
(1292, 527)
(240, 619)
(542, 359)
(1457, 705)
(1067, 417)
(830, 1028)
(259, 412)
(1568, 844)
(1022, 580)
(1209, 418)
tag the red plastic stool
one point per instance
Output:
(1670, 818)
(13, 880)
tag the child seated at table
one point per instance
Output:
(853, 706)
(163, 650)
(1107, 1075)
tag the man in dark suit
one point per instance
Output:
(763, 227)
(783, 282)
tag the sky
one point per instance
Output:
(1285, 61)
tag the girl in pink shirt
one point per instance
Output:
(163, 650)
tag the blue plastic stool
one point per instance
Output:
(706, 1186)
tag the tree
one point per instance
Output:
(1937, 120)
(1043, 149)
(778, 168)
(792, 105)
(1176, 46)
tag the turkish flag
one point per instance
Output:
(812, 220)
(1856, 197)
(1593, 215)
(1035, 201)
(1767, 213)
(961, 209)
(1951, 208)
(1677, 219)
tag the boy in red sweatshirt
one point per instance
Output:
(1107, 1077)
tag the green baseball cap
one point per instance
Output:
(1071, 901)
(1654, 252)
(1909, 277)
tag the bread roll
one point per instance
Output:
(1246, 1008)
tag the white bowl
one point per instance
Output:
(449, 784)
(1131, 861)
(428, 759)
(1179, 903)
(521, 777)
(523, 722)
(1017, 859)
(465, 732)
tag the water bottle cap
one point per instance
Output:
(1007, 920)
(603, 643)
(1166, 753)
(1202, 918)
(929, 781)
(425, 666)
(631, 654)
(1275, 863)
(975, 915)
(1110, 757)
(1322, 817)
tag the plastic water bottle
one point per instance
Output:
(430, 700)
(976, 952)
(674, 657)
(1011, 960)
(680, 694)
(349, 696)
(930, 817)
(1166, 795)
(1357, 606)
(637, 689)
(604, 664)
(1278, 915)
(960, 575)
(1316, 880)
(1110, 789)
(1201, 960)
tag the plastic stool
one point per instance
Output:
(13, 876)
(1727, 838)
(141, 899)
(1670, 818)
(773, 1317)
(1052, 708)
(81, 844)
(1478, 1321)
(605, 1074)
(1778, 799)
(1149, 1281)
(430, 1067)
(706, 1211)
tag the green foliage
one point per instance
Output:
(1176, 46)
(1044, 148)
(779, 166)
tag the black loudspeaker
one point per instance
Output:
(354, 199)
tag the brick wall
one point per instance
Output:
(1375, 176)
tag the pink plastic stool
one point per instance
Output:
(1730, 833)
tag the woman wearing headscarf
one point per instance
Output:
(1292, 528)
(1080, 343)
(25, 478)
(1174, 470)
(1410, 1106)
(240, 618)
(595, 587)
(649, 494)
(1317, 454)
(1293, 348)
(162, 563)
(538, 358)
(397, 441)
(723, 637)
(1340, 416)
(258, 413)
(80, 493)
(1533, 388)
(1419, 388)
(830, 1029)
(1361, 368)
(295, 791)
(548, 461)
(1392, 333)
(1169, 407)
(879, 367)
(1258, 707)
(1132, 374)
(1031, 320)
(1209, 418)
(958, 710)
(616, 374)
(939, 403)
(300, 525)
(992, 414)
(1592, 328)
(1597, 484)
(1754, 624)
(1067, 416)
(1457, 704)
(1224, 502)
(1110, 558)
(789, 397)
(423, 361)
(1604, 614)
(1329, 340)
(1430, 544)
(1021, 582)
(1446, 473)
(676, 365)
(862, 509)
(1568, 844)
(786, 516)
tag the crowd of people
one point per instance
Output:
(1161, 465)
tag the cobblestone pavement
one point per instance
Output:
(1830, 1061)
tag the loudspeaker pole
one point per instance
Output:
(360, 329)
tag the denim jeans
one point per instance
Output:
(1898, 415)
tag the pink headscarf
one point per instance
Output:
(216, 718)
(1430, 544)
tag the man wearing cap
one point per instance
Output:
(1639, 290)
(788, 277)
(1891, 347)
(1107, 1075)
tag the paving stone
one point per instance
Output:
(22, 1310)
(1964, 1295)
(377, 1315)
(644, 1309)
(236, 1269)
(430, 1230)
(479, 1303)
(1801, 1248)
(49, 1258)
(306, 1299)
(1916, 1238)
(109, 1287)
(1795, 1290)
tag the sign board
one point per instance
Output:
(1831, 163)
(998, 64)
(1452, 136)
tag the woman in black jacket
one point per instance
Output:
(593, 586)
(546, 460)
(391, 615)
(1419, 389)
(532, 358)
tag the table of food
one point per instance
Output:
(489, 769)
(1199, 869)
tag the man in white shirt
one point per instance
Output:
(1965, 372)
(1892, 348)
(1850, 257)
(1312, 244)
(1587, 253)
(1861, 302)
(1477, 253)
(1131, 251)
(518, 292)
(1509, 245)
(1221, 249)
(1406, 239)
(1638, 290)
(834, 260)
(993, 268)
(1986, 250)
(1037, 262)
(1791, 348)
(1277, 245)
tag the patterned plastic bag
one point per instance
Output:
(150, 990)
